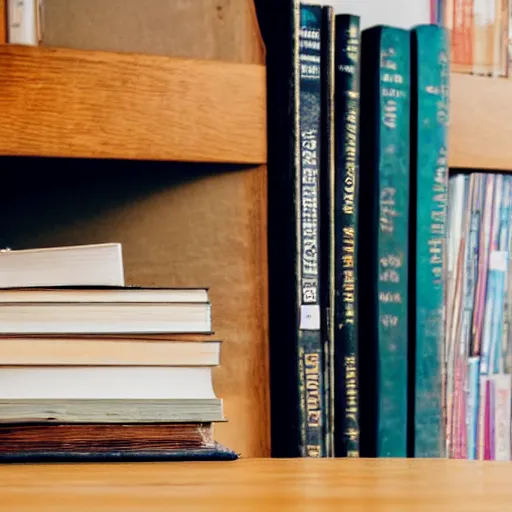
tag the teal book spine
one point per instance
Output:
(429, 187)
(384, 234)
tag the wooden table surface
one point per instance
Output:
(260, 484)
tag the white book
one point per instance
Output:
(95, 383)
(80, 265)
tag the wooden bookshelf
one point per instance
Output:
(90, 104)
(480, 125)
(166, 156)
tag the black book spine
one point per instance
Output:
(309, 336)
(347, 93)
(327, 218)
(293, 46)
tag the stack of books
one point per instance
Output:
(93, 369)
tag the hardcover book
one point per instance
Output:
(384, 232)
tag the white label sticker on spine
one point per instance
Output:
(310, 317)
(498, 261)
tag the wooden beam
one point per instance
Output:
(73, 103)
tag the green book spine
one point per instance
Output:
(385, 126)
(348, 52)
(429, 184)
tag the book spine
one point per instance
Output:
(347, 97)
(502, 393)
(383, 250)
(310, 344)
(392, 253)
(429, 157)
(472, 412)
(483, 262)
(462, 38)
(327, 195)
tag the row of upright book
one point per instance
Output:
(93, 369)
(479, 317)
(358, 185)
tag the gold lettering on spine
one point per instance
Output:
(348, 287)
(350, 154)
(436, 242)
(348, 247)
(309, 216)
(348, 204)
(391, 81)
(312, 374)
(351, 431)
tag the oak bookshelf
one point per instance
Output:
(166, 155)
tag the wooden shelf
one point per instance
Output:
(481, 123)
(71, 103)
(384, 485)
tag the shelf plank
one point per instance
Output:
(75, 103)
(480, 126)
(331, 485)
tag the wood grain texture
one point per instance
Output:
(62, 102)
(400, 485)
(480, 128)
(3, 21)
(199, 29)
(105, 438)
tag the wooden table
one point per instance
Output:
(260, 484)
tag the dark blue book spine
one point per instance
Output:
(347, 74)
(310, 343)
